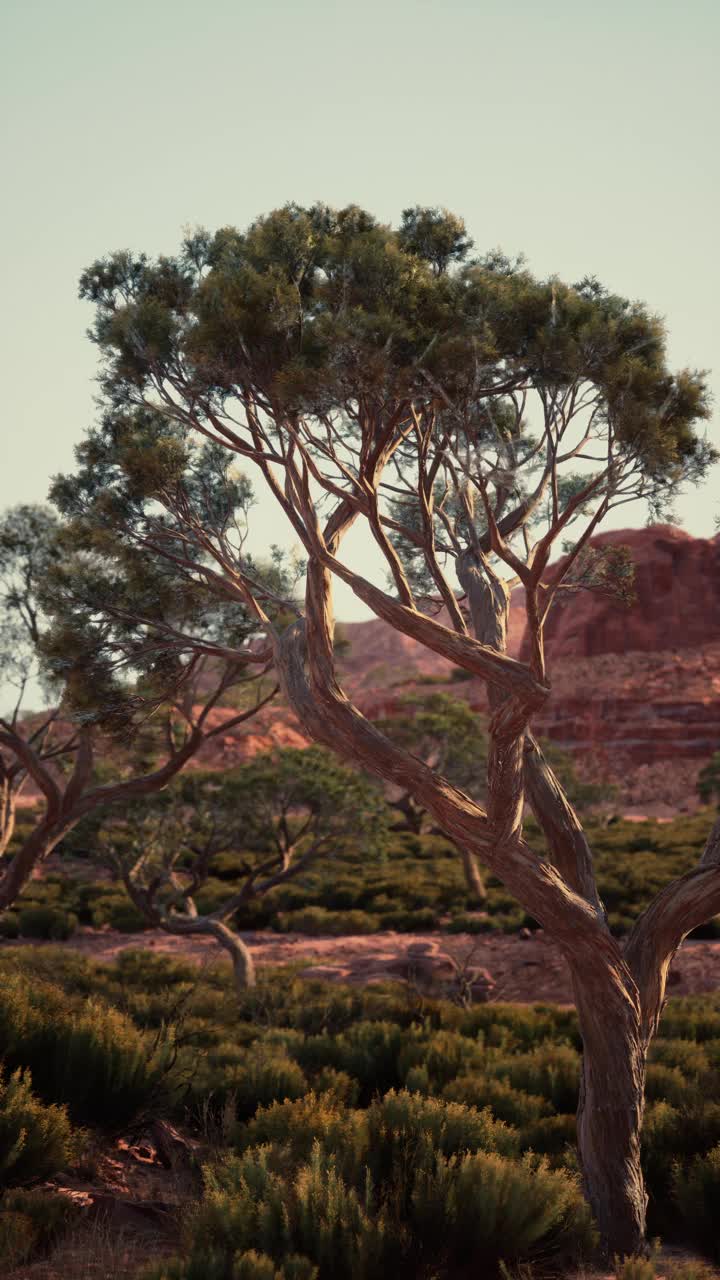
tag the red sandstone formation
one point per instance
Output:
(677, 584)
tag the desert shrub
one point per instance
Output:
(89, 1056)
(261, 1076)
(405, 1132)
(50, 1213)
(333, 1221)
(511, 1105)
(489, 1208)
(211, 1265)
(550, 1135)
(258, 1266)
(476, 922)
(696, 1190)
(691, 1018)
(691, 1058)
(667, 1084)
(117, 911)
(443, 1054)
(297, 1125)
(47, 922)
(515, 1027)
(316, 921)
(691, 1271)
(9, 924)
(35, 1139)
(367, 1051)
(410, 921)
(338, 1085)
(551, 1071)
(247, 1204)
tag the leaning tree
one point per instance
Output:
(470, 417)
(275, 816)
(132, 668)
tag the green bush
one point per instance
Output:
(260, 1077)
(488, 1208)
(117, 911)
(444, 1055)
(247, 1204)
(367, 1051)
(406, 1131)
(9, 924)
(316, 921)
(47, 922)
(511, 1105)
(48, 1214)
(298, 1125)
(551, 1071)
(667, 1084)
(84, 1054)
(550, 1135)
(696, 1189)
(35, 1139)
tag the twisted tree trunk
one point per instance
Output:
(610, 1110)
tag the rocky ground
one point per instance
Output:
(521, 967)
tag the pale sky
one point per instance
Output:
(583, 135)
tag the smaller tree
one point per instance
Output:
(281, 812)
(132, 668)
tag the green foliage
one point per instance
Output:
(414, 883)
(491, 1209)
(28, 549)
(317, 921)
(86, 1054)
(696, 1189)
(9, 924)
(250, 1078)
(364, 1112)
(406, 1131)
(47, 922)
(35, 1139)
(299, 1124)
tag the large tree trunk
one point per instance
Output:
(34, 851)
(610, 1114)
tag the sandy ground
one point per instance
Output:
(521, 968)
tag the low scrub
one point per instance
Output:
(35, 1139)
(84, 1054)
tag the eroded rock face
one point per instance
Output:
(677, 584)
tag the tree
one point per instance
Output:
(283, 811)
(131, 698)
(452, 739)
(468, 416)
